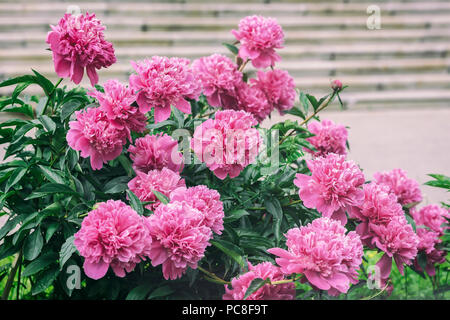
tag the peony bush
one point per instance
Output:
(169, 187)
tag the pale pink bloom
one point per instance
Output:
(219, 77)
(77, 42)
(322, 252)
(162, 82)
(259, 37)
(278, 87)
(179, 238)
(398, 241)
(228, 143)
(328, 138)
(253, 100)
(336, 85)
(164, 181)
(333, 188)
(96, 137)
(113, 235)
(206, 200)
(156, 152)
(433, 217)
(264, 270)
(116, 101)
(407, 190)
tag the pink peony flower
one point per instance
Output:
(228, 143)
(77, 42)
(264, 270)
(336, 85)
(117, 102)
(161, 82)
(427, 240)
(278, 87)
(433, 217)
(333, 187)
(163, 181)
(253, 101)
(112, 235)
(322, 251)
(156, 152)
(179, 238)
(259, 37)
(220, 78)
(329, 138)
(96, 137)
(407, 190)
(206, 200)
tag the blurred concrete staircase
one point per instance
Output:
(406, 63)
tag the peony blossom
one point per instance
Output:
(228, 143)
(328, 138)
(278, 87)
(333, 187)
(433, 217)
(161, 82)
(206, 200)
(112, 235)
(179, 238)
(77, 42)
(264, 270)
(407, 190)
(220, 79)
(156, 152)
(163, 181)
(253, 100)
(96, 137)
(322, 251)
(117, 102)
(259, 37)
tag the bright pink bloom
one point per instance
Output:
(253, 101)
(336, 85)
(322, 251)
(427, 239)
(207, 201)
(117, 102)
(77, 42)
(96, 137)
(163, 181)
(228, 143)
(333, 187)
(329, 138)
(407, 190)
(220, 78)
(278, 87)
(259, 37)
(179, 238)
(264, 270)
(161, 82)
(112, 235)
(432, 216)
(156, 152)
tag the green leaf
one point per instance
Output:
(51, 229)
(179, 116)
(273, 206)
(9, 225)
(139, 293)
(235, 215)
(40, 263)
(230, 250)
(48, 123)
(15, 177)
(255, 285)
(42, 81)
(161, 292)
(54, 176)
(22, 131)
(51, 188)
(164, 199)
(126, 164)
(313, 101)
(161, 124)
(117, 185)
(45, 281)
(233, 49)
(16, 80)
(68, 108)
(135, 202)
(33, 245)
(67, 249)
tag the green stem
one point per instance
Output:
(213, 276)
(241, 68)
(11, 276)
(50, 95)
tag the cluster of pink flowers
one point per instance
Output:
(407, 190)
(264, 270)
(113, 235)
(156, 152)
(228, 143)
(328, 138)
(78, 43)
(323, 252)
(432, 216)
(333, 188)
(259, 37)
(161, 82)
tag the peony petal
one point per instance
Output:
(95, 270)
(183, 106)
